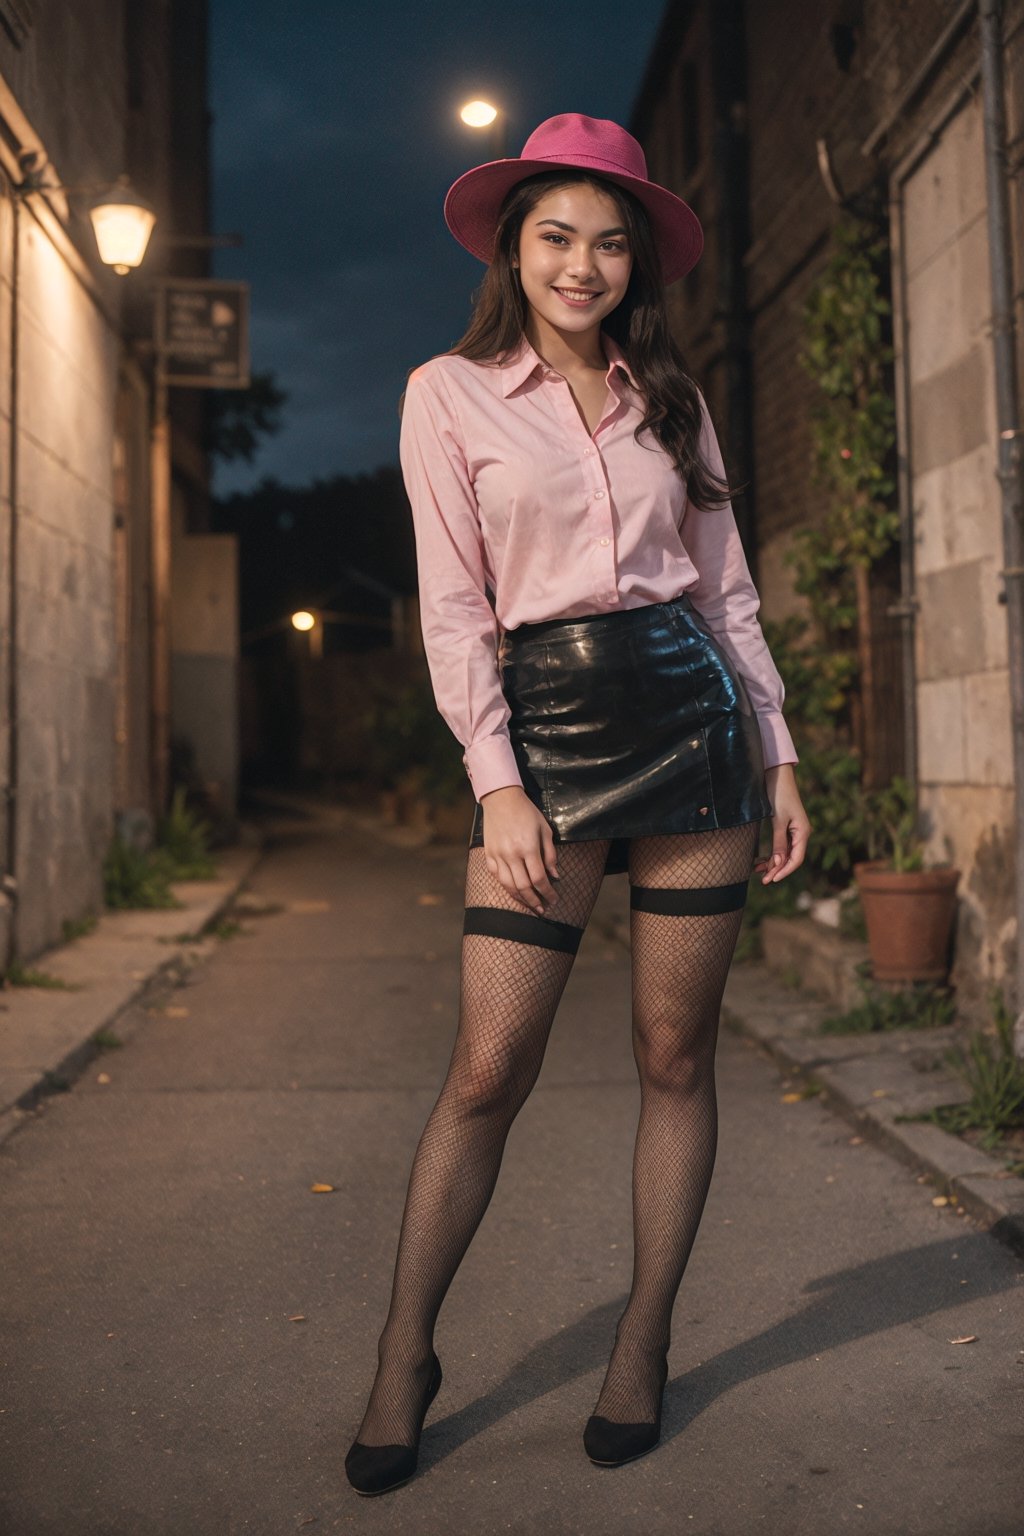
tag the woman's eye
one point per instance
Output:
(611, 245)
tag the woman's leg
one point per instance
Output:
(515, 965)
(687, 894)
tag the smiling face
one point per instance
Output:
(574, 257)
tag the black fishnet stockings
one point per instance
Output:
(680, 965)
(509, 993)
(510, 990)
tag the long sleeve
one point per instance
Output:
(727, 598)
(460, 630)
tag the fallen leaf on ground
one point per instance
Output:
(968, 1338)
(428, 899)
(176, 1012)
(300, 1317)
(791, 1098)
(103, 1077)
(321, 1189)
(940, 1200)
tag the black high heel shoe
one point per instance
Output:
(379, 1468)
(609, 1444)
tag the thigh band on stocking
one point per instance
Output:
(523, 927)
(693, 901)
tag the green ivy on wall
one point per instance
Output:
(845, 350)
(846, 353)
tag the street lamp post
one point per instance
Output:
(308, 622)
(480, 114)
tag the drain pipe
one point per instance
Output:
(1004, 342)
(8, 877)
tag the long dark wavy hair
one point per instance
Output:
(638, 323)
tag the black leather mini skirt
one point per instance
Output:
(630, 724)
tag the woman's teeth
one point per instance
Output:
(576, 295)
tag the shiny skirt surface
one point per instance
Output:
(630, 724)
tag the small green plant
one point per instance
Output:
(922, 1005)
(134, 878)
(107, 1040)
(890, 821)
(18, 975)
(995, 1077)
(183, 841)
(228, 928)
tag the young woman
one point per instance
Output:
(591, 629)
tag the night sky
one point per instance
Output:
(335, 137)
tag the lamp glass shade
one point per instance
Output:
(123, 223)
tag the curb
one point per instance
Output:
(47, 1043)
(870, 1080)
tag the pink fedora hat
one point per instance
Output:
(583, 143)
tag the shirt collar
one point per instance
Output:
(524, 361)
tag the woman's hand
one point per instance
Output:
(520, 847)
(790, 826)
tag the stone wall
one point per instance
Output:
(965, 766)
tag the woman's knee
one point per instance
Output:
(672, 1065)
(486, 1080)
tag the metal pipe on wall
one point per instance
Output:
(1004, 346)
(9, 876)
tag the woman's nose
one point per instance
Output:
(581, 264)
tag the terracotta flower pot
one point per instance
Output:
(909, 918)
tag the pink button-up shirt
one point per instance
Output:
(521, 515)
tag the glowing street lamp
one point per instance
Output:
(478, 114)
(483, 114)
(122, 222)
(307, 623)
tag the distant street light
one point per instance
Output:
(483, 114)
(307, 622)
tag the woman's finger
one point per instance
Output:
(524, 887)
(783, 862)
(537, 871)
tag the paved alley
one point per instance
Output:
(189, 1332)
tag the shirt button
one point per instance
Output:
(587, 452)
(598, 495)
(605, 541)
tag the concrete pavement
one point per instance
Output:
(189, 1332)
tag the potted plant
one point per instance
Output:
(908, 909)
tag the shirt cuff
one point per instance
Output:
(491, 764)
(776, 742)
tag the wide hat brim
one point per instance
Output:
(472, 204)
